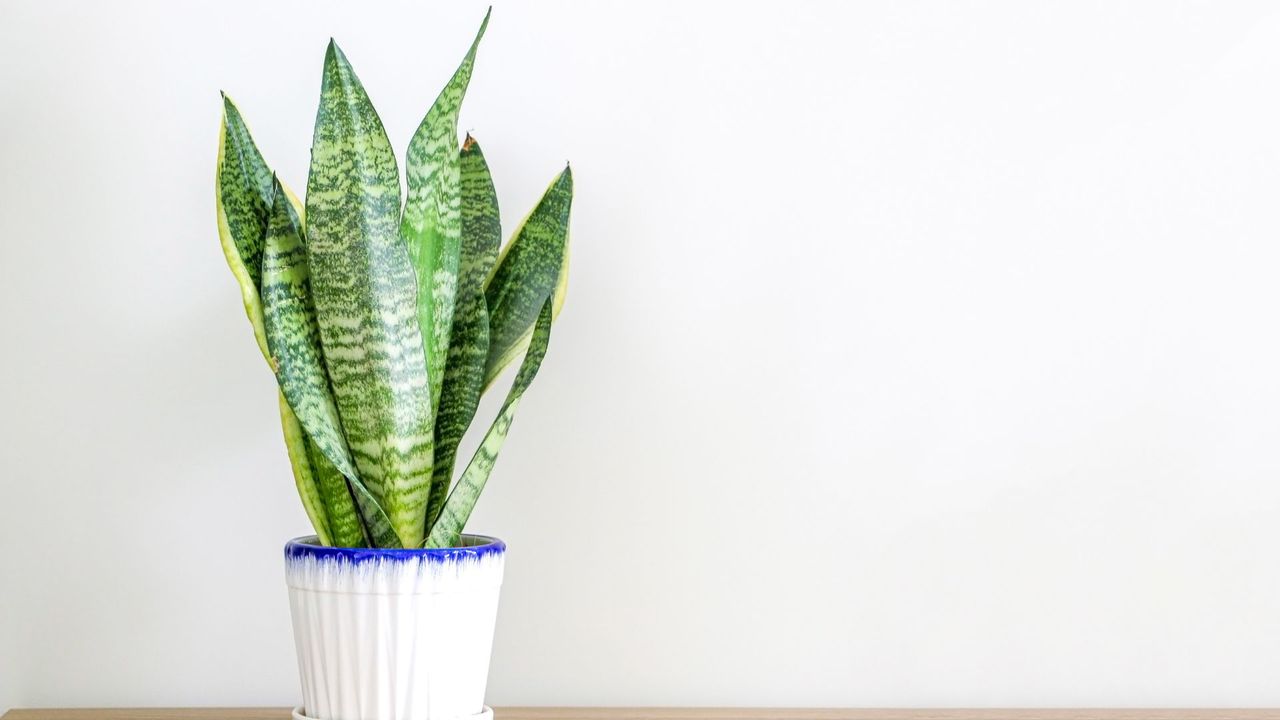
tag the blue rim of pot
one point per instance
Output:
(474, 547)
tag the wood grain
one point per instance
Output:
(585, 713)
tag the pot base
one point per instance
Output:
(485, 714)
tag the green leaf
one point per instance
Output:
(321, 487)
(529, 270)
(293, 337)
(462, 500)
(431, 227)
(243, 196)
(469, 342)
(345, 527)
(364, 290)
(242, 200)
(293, 334)
(295, 441)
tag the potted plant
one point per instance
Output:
(384, 322)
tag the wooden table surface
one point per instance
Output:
(583, 713)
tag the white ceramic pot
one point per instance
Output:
(394, 634)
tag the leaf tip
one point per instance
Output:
(333, 54)
(484, 24)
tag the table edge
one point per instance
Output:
(686, 713)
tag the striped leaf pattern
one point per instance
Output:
(365, 294)
(244, 194)
(527, 273)
(293, 334)
(469, 341)
(242, 200)
(345, 526)
(295, 442)
(462, 499)
(293, 337)
(431, 226)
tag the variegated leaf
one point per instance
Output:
(293, 334)
(243, 197)
(293, 338)
(431, 226)
(529, 269)
(364, 290)
(345, 526)
(295, 441)
(469, 341)
(242, 200)
(462, 499)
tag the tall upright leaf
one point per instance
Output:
(242, 200)
(293, 334)
(431, 226)
(365, 297)
(293, 337)
(528, 271)
(469, 340)
(462, 499)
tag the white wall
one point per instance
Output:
(916, 353)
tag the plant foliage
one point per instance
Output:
(385, 319)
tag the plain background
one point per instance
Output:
(915, 353)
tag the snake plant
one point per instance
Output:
(384, 321)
